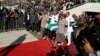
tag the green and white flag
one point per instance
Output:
(52, 27)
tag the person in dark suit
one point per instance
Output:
(5, 19)
(1, 18)
(27, 20)
(34, 19)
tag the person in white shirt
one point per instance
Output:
(70, 21)
(54, 18)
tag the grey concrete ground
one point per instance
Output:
(15, 37)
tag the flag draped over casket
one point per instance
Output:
(52, 27)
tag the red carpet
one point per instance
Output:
(37, 48)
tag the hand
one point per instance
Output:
(65, 35)
(87, 47)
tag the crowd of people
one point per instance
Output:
(18, 18)
(81, 31)
(11, 19)
(52, 4)
(38, 7)
(76, 30)
(87, 41)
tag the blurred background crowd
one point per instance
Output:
(15, 18)
(36, 14)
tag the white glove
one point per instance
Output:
(65, 35)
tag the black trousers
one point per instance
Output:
(34, 27)
(27, 25)
(1, 25)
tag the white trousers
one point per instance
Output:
(69, 37)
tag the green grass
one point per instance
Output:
(38, 35)
(35, 34)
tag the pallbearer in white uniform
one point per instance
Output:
(70, 21)
(53, 26)
(53, 22)
(54, 18)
